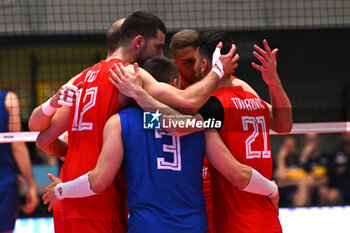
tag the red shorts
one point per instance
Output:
(91, 226)
(208, 202)
(57, 218)
(207, 194)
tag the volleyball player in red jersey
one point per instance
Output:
(40, 121)
(96, 101)
(183, 47)
(245, 131)
(134, 46)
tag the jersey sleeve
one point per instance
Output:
(124, 122)
(130, 118)
(212, 109)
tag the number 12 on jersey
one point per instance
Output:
(255, 122)
(89, 101)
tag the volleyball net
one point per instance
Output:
(45, 43)
(298, 128)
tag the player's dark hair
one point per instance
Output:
(161, 68)
(141, 23)
(207, 42)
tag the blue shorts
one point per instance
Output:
(8, 206)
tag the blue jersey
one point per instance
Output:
(7, 165)
(163, 174)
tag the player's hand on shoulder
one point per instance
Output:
(126, 80)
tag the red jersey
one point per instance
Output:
(245, 132)
(96, 101)
(207, 192)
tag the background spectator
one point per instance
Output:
(338, 189)
(289, 172)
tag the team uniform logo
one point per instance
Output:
(151, 120)
(60, 190)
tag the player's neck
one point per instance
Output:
(113, 56)
(121, 54)
(225, 82)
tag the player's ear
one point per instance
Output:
(139, 42)
(174, 82)
(206, 66)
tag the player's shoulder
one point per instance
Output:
(11, 98)
(131, 112)
(11, 95)
(113, 121)
(246, 87)
(88, 72)
(131, 121)
(109, 64)
(112, 125)
(112, 61)
(96, 66)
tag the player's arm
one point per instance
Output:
(274, 113)
(281, 109)
(188, 100)
(20, 152)
(177, 128)
(133, 89)
(110, 158)
(220, 157)
(240, 175)
(42, 115)
(101, 177)
(192, 98)
(48, 140)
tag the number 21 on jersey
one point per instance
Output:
(257, 123)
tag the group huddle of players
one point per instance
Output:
(119, 177)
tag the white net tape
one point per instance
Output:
(324, 127)
(298, 128)
(9, 137)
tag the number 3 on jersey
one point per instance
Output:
(174, 149)
(255, 122)
(88, 102)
